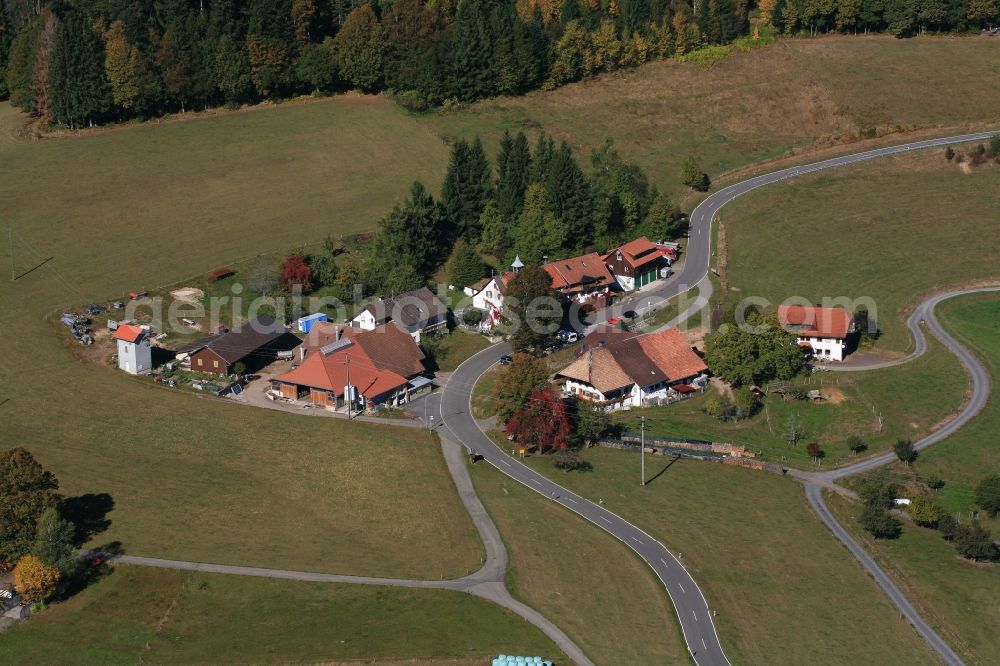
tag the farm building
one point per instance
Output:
(583, 279)
(381, 366)
(635, 371)
(636, 263)
(418, 311)
(821, 332)
(134, 352)
(255, 344)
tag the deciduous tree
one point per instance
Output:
(516, 382)
(295, 272)
(26, 491)
(542, 423)
(55, 542)
(34, 580)
(360, 47)
(903, 448)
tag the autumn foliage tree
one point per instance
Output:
(295, 271)
(543, 423)
(516, 382)
(34, 580)
(26, 491)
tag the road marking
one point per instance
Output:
(695, 616)
(637, 541)
(665, 565)
(570, 499)
(605, 520)
(703, 644)
(536, 482)
(505, 463)
(682, 588)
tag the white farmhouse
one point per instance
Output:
(135, 355)
(636, 371)
(821, 332)
(418, 312)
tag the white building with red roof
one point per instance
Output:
(636, 263)
(135, 355)
(820, 331)
(585, 279)
(636, 371)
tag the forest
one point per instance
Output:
(75, 63)
(535, 202)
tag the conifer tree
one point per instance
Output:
(79, 89)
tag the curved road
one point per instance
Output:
(689, 603)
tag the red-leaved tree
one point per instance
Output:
(543, 423)
(295, 271)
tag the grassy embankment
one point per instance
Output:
(139, 615)
(763, 560)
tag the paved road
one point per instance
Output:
(689, 603)
(698, 253)
(688, 600)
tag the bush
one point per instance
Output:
(934, 482)
(692, 175)
(880, 524)
(949, 153)
(903, 448)
(975, 542)
(856, 444)
(472, 317)
(925, 512)
(569, 460)
(948, 526)
(714, 406)
(748, 401)
(988, 494)
(412, 101)
(814, 450)
(993, 147)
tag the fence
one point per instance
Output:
(688, 444)
(727, 454)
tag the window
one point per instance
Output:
(200, 363)
(215, 364)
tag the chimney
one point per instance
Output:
(302, 353)
(336, 333)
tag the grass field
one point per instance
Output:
(890, 230)
(911, 399)
(586, 581)
(155, 616)
(765, 563)
(957, 597)
(974, 451)
(458, 346)
(796, 94)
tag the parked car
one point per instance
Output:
(567, 336)
(95, 309)
(614, 321)
(550, 347)
(506, 359)
(118, 305)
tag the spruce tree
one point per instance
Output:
(473, 66)
(80, 91)
(513, 171)
(466, 189)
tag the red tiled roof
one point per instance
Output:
(644, 360)
(387, 347)
(128, 333)
(573, 274)
(638, 252)
(815, 321)
(330, 373)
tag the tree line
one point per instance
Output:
(74, 63)
(533, 202)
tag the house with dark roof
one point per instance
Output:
(636, 371)
(636, 263)
(255, 344)
(419, 312)
(584, 279)
(342, 364)
(820, 332)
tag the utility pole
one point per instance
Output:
(10, 236)
(642, 447)
(349, 391)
